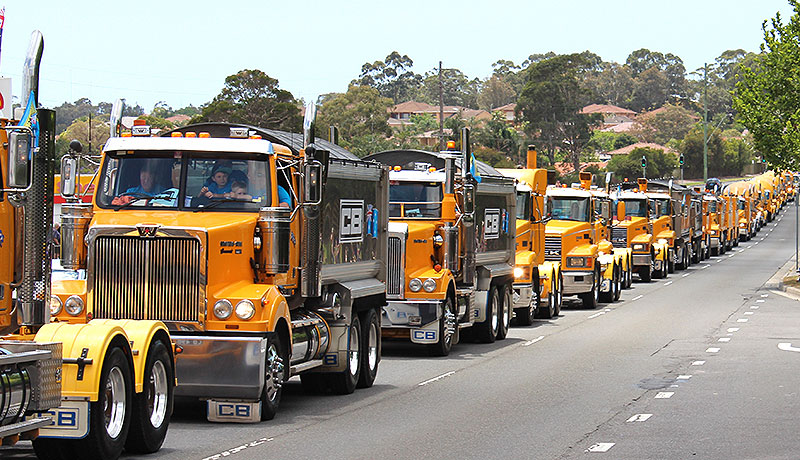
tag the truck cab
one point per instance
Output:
(615, 263)
(715, 209)
(661, 215)
(632, 228)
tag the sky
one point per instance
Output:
(181, 51)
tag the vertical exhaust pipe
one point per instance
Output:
(468, 220)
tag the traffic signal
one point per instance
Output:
(680, 160)
(644, 161)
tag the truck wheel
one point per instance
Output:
(344, 382)
(670, 261)
(276, 374)
(646, 273)
(524, 316)
(559, 297)
(547, 311)
(486, 331)
(110, 416)
(506, 306)
(591, 299)
(54, 449)
(629, 275)
(695, 252)
(371, 346)
(152, 407)
(608, 297)
(617, 283)
(447, 331)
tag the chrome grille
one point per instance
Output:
(146, 278)
(619, 237)
(395, 279)
(552, 248)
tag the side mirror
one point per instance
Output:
(19, 154)
(620, 211)
(69, 173)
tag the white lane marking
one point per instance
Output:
(600, 447)
(674, 386)
(712, 350)
(238, 449)
(705, 266)
(750, 246)
(684, 376)
(668, 283)
(741, 320)
(531, 342)
(597, 314)
(446, 374)
(749, 313)
(698, 363)
(639, 418)
(724, 339)
(754, 307)
(760, 301)
(731, 255)
(764, 295)
(607, 310)
(664, 394)
(637, 297)
(685, 275)
(756, 242)
(733, 329)
(787, 347)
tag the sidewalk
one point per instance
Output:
(776, 282)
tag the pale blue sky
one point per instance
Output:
(181, 51)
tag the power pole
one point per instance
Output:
(441, 109)
(705, 122)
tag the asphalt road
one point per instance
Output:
(704, 364)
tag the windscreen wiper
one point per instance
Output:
(141, 196)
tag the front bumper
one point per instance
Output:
(410, 313)
(714, 243)
(577, 282)
(523, 295)
(641, 260)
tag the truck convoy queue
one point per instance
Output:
(263, 255)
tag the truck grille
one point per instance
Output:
(619, 237)
(395, 279)
(552, 248)
(146, 278)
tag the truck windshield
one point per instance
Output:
(712, 206)
(570, 208)
(660, 207)
(415, 199)
(184, 180)
(523, 206)
(742, 205)
(635, 208)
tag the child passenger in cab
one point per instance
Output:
(219, 186)
(239, 192)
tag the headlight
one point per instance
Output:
(518, 272)
(55, 305)
(74, 305)
(415, 285)
(662, 241)
(578, 262)
(223, 309)
(603, 267)
(245, 309)
(429, 285)
(639, 247)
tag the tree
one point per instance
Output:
(605, 141)
(496, 92)
(550, 103)
(613, 84)
(457, 88)
(361, 112)
(692, 149)
(392, 77)
(659, 163)
(253, 97)
(498, 135)
(767, 98)
(79, 129)
(673, 122)
(651, 90)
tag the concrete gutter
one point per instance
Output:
(776, 282)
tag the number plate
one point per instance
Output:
(70, 420)
(234, 411)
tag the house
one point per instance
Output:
(565, 167)
(507, 111)
(400, 114)
(612, 115)
(648, 145)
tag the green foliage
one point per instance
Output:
(361, 113)
(496, 92)
(498, 135)
(613, 84)
(606, 141)
(671, 123)
(726, 157)
(67, 112)
(493, 157)
(768, 96)
(550, 103)
(392, 77)
(659, 164)
(457, 88)
(253, 97)
(79, 129)
(423, 123)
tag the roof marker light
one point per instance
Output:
(176, 135)
(191, 134)
(204, 135)
(398, 168)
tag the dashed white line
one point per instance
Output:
(596, 314)
(749, 313)
(667, 283)
(712, 350)
(742, 320)
(531, 342)
(756, 242)
(637, 297)
(733, 329)
(600, 447)
(446, 374)
(724, 339)
(764, 295)
(760, 301)
(664, 394)
(639, 418)
(684, 377)
(685, 275)
(754, 307)
(698, 363)
(787, 347)
(238, 449)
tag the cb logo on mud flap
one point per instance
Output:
(424, 336)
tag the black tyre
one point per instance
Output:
(448, 324)
(54, 449)
(559, 295)
(506, 307)
(608, 297)
(345, 382)
(276, 374)
(618, 283)
(670, 261)
(486, 331)
(549, 310)
(629, 275)
(646, 273)
(370, 348)
(152, 407)
(591, 299)
(696, 253)
(524, 316)
(110, 416)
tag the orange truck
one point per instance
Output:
(535, 278)
(451, 239)
(265, 258)
(615, 263)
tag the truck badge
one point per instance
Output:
(147, 231)
(351, 221)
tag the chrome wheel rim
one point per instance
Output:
(274, 375)
(352, 350)
(114, 402)
(506, 310)
(449, 328)
(495, 314)
(372, 352)
(157, 392)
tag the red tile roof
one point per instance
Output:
(567, 167)
(632, 147)
(606, 109)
